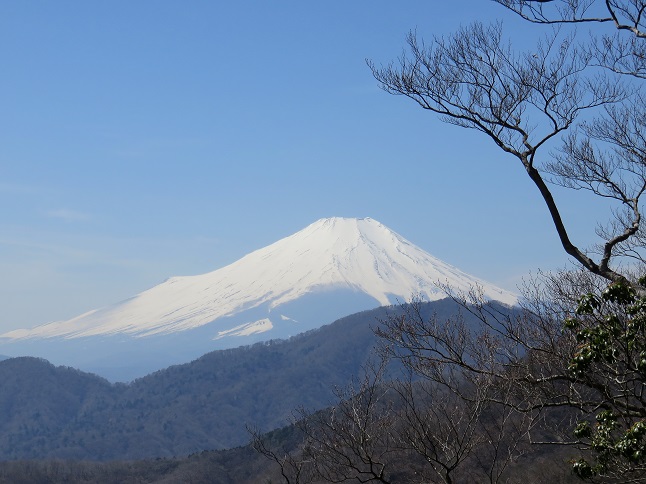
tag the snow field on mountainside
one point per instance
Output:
(334, 253)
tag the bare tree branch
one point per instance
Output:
(521, 101)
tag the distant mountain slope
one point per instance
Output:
(334, 267)
(51, 412)
(361, 255)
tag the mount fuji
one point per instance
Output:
(333, 267)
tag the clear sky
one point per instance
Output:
(145, 139)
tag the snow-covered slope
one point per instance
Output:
(359, 256)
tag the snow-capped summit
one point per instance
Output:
(333, 267)
(360, 255)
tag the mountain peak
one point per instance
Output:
(340, 223)
(257, 293)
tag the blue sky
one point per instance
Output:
(142, 140)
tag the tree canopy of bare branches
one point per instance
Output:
(522, 102)
(589, 94)
(620, 48)
(569, 367)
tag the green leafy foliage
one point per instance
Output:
(610, 329)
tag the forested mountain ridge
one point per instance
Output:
(60, 412)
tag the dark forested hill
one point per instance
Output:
(58, 412)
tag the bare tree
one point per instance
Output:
(522, 102)
(405, 430)
(606, 156)
(580, 384)
(459, 434)
(294, 468)
(564, 370)
(353, 439)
